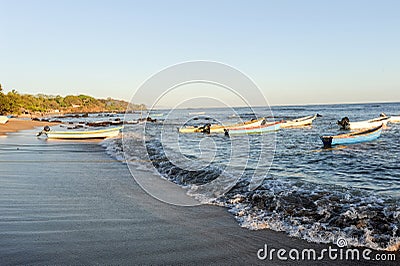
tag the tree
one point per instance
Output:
(3, 102)
(14, 103)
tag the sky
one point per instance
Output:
(297, 52)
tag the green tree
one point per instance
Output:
(14, 103)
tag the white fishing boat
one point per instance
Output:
(300, 122)
(373, 123)
(88, 134)
(394, 119)
(3, 119)
(156, 115)
(265, 127)
(197, 113)
(221, 128)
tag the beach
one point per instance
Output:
(65, 202)
(217, 133)
(14, 125)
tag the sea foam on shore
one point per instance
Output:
(317, 212)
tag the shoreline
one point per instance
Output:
(74, 200)
(15, 124)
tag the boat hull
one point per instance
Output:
(221, 128)
(300, 122)
(95, 134)
(394, 119)
(3, 119)
(368, 124)
(197, 113)
(256, 130)
(352, 138)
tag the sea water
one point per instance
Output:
(352, 192)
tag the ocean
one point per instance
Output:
(284, 180)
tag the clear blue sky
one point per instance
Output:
(298, 52)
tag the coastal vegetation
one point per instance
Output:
(16, 103)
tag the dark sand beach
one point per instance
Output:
(69, 203)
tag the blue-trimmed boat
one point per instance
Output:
(351, 138)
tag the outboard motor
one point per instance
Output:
(226, 132)
(344, 123)
(206, 129)
(45, 129)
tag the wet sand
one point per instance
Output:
(14, 125)
(70, 203)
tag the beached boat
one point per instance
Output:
(300, 122)
(93, 134)
(373, 123)
(263, 128)
(3, 119)
(351, 138)
(221, 128)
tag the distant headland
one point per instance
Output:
(14, 103)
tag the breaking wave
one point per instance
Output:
(316, 196)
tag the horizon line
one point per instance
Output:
(279, 105)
